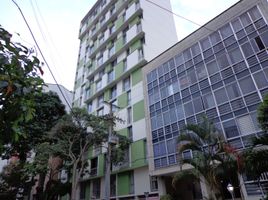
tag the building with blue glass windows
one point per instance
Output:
(220, 70)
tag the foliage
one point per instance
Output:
(48, 110)
(19, 81)
(211, 158)
(12, 181)
(263, 114)
(72, 137)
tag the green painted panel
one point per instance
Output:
(119, 22)
(119, 44)
(90, 152)
(101, 165)
(88, 190)
(136, 77)
(123, 132)
(107, 95)
(123, 184)
(108, 68)
(135, 45)
(138, 111)
(118, 4)
(134, 21)
(119, 69)
(122, 100)
(138, 154)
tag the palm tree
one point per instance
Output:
(209, 159)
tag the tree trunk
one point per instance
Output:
(40, 186)
(74, 194)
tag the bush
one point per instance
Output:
(166, 197)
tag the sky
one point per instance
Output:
(55, 24)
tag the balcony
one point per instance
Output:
(131, 33)
(134, 58)
(130, 11)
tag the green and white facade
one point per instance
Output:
(117, 37)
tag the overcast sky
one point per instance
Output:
(60, 21)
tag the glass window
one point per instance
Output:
(235, 55)
(205, 44)
(111, 51)
(89, 107)
(159, 121)
(112, 29)
(98, 85)
(166, 118)
(129, 115)
(110, 76)
(192, 76)
(184, 82)
(180, 112)
(179, 59)
(188, 107)
(264, 38)
(101, 39)
(255, 121)
(233, 91)
(100, 112)
(201, 71)
(254, 13)
(247, 49)
(100, 100)
(195, 49)
(223, 61)
(128, 97)
(221, 96)
(215, 38)
(187, 54)
(245, 19)
(212, 67)
(113, 92)
(208, 101)
(198, 105)
(173, 117)
(230, 129)
(100, 60)
(126, 84)
(237, 25)
(245, 125)
(247, 85)
(154, 183)
(226, 31)
(260, 80)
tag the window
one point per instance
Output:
(245, 125)
(91, 49)
(230, 129)
(201, 71)
(226, 31)
(88, 93)
(114, 106)
(124, 65)
(111, 50)
(259, 43)
(129, 115)
(113, 185)
(102, 20)
(247, 49)
(112, 10)
(113, 92)
(126, 84)
(212, 67)
(128, 97)
(205, 44)
(235, 55)
(223, 61)
(198, 105)
(93, 31)
(247, 85)
(208, 101)
(110, 76)
(96, 188)
(130, 133)
(260, 80)
(189, 110)
(112, 29)
(233, 91)
(89, 107)
(154, 183)
(100, 112)
(101, 39)
(221, 96)
(100, 60)
(98, 85)
(140, 54)
(100, 100)
(195, 49)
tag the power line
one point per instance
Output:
(35, 41)
(180, 16)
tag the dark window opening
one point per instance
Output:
(259, 43)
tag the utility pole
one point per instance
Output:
(109, 152)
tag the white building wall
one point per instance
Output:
(137, 93)
(141, 181)
(157, 38)
(139, 131)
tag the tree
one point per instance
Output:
(263, 114)
(209, 157)
(19, 81)
(72, 137)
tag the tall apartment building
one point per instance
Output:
(117, 38)
(220, 70)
